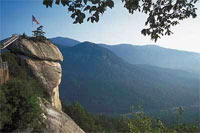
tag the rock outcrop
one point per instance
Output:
(57, 121)
(39, 50)
(42, 60)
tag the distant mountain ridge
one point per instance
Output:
(64, 41)
(149, 54)
(104, 83)
(157, 56)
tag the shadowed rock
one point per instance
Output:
(42, 60)
(57, 121)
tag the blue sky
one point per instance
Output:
(115, 26)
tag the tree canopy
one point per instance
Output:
(39, 32)
(162, 14)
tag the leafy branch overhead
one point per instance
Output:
(162, 14)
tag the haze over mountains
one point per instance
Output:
(105, 83)
(64, 41)
(149, 54)
(158, 56)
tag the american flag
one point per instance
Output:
(35, 20)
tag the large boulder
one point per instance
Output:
(39, 50)
(42, 60)
(57, 121)
(48, 72)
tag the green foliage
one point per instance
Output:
(162, 14)
(143, 123)
(95, 123)
(139, 122)
(81, 116)
(19, 72)
(3, 112)
(104, 83)
(39, 34)
(189, 128)
(15, 70)
(19, 104)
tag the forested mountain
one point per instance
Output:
(64, 41)
(157, 56)
(148, 54)
(104, 83)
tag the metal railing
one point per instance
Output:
(9, 41)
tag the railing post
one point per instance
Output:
(0, 56)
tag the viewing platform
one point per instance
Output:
(4, 72)
(9, 41)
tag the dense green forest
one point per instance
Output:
(19, 103)
(104, 83)
(137, 122)
(20, 109)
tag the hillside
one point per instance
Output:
(148, 54)
(157, 56)
(30, 98)
(64, 41)
(104, 83)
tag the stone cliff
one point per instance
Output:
(57, 121)
(41, 59)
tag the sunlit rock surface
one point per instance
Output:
(42, 60)
(57, 121)
(39, 50)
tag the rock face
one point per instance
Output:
(39, 50)
(42, 60)
(57, 121)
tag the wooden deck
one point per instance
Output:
(4, 73)
(8, 42)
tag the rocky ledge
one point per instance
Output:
(42, 60)
(57, 121)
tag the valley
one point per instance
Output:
(104, 83)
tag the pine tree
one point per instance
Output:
(39, 33)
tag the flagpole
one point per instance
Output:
(32, 26)
(35, 20)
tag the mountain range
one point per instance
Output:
(103, 82)
(64, 41)
(148, 54)
(157, 56)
